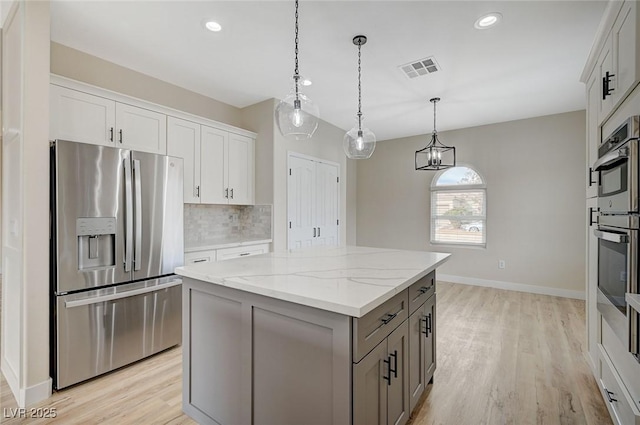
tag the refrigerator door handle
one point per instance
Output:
(125, 294)
(128, 238)
(138, 211)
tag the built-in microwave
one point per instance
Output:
(618, 166)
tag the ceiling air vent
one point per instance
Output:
(420, 67)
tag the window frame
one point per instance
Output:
(457, 188)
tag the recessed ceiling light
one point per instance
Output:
(488, 20)
(212, 26)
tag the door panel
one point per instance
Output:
(81, 117)
(240, 169)
(416, 356)
(140, 129)
(183, 141)
(213, 176)
(430, 340)
(301, 202)
(398, 392)
(83, 171)
(327, 193)
(370, 388)
(159, 220)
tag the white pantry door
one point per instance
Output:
(301, 202)
(313, 192)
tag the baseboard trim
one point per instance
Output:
(26, 396)
(510, 286)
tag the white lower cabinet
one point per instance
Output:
(620, 404)
(241, 251)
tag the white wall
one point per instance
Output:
(534, 171)
(25, 254)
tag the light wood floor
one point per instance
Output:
(503, 358)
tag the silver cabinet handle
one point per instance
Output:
(197, 191)
(314, 232)
(200, 260)
(318, 232)
(231, 193)
(111, 134)
(138, 211)
(120, 133)
(244, 254)
(226, 193)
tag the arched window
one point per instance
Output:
(458, 207)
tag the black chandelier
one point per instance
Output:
(436, 155)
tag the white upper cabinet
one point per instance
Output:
(141, 129)
(625, 39)
(606, 73)
(183, 141)
(86, 118)
(219, 166)
(240, 166)
(213, 166)
(81, 117)
(593, 133)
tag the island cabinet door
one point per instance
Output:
(398, 391)
(371, 377)
(430, 339)
(417, 346)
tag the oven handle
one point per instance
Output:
(611, 237)
(611, 157)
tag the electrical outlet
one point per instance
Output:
(501, 264)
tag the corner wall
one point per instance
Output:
(534, 170)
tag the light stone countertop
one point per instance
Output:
(224, 243)
(349, 280)
(634, 301)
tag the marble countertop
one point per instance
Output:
(224, 243)
(349, 280)
(634, 301)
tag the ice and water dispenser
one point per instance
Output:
(96, 242)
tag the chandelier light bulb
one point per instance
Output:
(360, 141)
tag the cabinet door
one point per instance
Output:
(240, 168)
(624, 47)
(593, 133)
(370, 387)
(183, 141)
(327, 192)
(592, 281)
(604, 66)
(417, 331)
(398, 392)
(301, 203)
(81, 117)
(213, 176)
(430, 339)
(141, 129)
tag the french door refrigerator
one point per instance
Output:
(116, 238)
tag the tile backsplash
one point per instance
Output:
(204, 223)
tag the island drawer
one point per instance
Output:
(421, 291)
(370, 329)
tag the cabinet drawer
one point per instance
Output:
(200, 257)
(370, 329)
(242, 251)
(622, 410)
(626, 366)
(420, 291)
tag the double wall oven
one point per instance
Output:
(618, 230)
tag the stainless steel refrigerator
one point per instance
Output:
(116, 238)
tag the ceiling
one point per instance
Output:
(526, 66)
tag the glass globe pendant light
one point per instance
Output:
(436, 155)
(296, 115)
(359, 142)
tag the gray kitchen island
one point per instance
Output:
(326, 335)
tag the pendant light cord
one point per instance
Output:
(296, 73)
(359, 86)
(434, 118)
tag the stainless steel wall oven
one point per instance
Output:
(618, 230)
